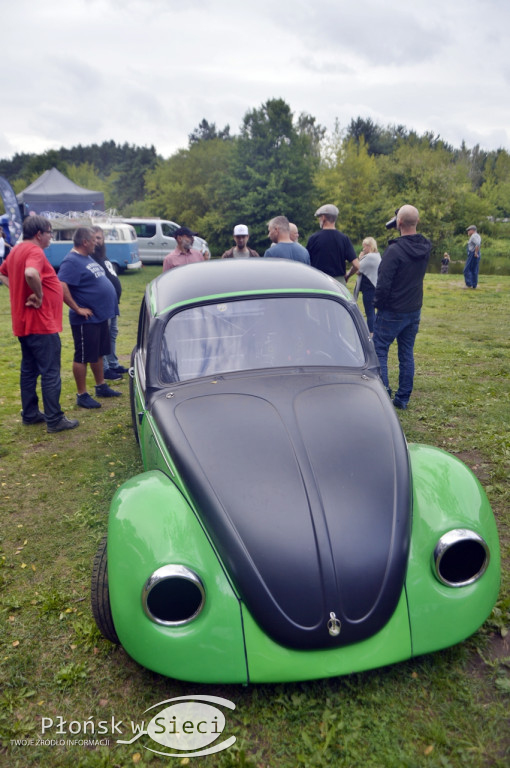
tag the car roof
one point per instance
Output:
(220, 277)
(143, 220)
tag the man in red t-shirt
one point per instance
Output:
(36, 311)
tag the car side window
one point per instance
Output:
(143, 337)
(168, 230)
(145, 230)
(258, 333)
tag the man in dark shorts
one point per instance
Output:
(92, 301)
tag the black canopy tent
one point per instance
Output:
(55, 192)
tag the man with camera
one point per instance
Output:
(399, 298)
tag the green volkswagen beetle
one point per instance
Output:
(283, 529)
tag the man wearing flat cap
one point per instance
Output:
(329, 248)
(184, 253)
(240, 249)
(473, 257)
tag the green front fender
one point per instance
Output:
(446, 496)
(152, 525)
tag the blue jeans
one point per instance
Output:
(111, 360)
(40, 356)
(471, 269)
(402, 326)
(368, 303)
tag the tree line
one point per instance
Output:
(281, 163)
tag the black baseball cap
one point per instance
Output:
(184, 231)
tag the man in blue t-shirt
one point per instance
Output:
(92, 301)
(283, 246)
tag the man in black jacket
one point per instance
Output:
(399, 298)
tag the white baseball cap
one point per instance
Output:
(241, 229)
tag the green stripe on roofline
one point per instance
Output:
(262, 292)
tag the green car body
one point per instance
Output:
(174, 526)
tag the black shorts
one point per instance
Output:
(91, 341)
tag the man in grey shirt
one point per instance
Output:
(283, 247)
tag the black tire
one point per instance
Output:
(134, 415)
(100, 596)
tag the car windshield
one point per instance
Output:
(259, 333)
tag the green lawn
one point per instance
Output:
(449, 709)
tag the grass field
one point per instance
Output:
(446, 710)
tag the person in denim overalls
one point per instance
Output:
(473, 257)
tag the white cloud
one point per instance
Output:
(147, 72)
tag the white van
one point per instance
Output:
(156, 239)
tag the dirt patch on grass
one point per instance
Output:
(475, 461)
(496, 650)
(499, 647)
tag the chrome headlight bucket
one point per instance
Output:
(461, 557)
(173, 595)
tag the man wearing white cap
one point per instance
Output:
(473, 257)
(329, 249)
(240, 250)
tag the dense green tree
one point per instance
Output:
(123, 166)
(474, 161)
(307, 126)
(381, 140)
(207, 131)
(377, 140)
(428, 177)
(281, 164)
(496, 187)
(188, 188)
(421, 170)
(272, 170)
(352, 182)
(15, 168)
(86, 175)
(129, 184)
(37, 164)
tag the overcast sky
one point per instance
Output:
(147, 71)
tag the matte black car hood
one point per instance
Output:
(302, 481)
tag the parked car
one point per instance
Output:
(282, 528)
(120, 241)
(156, 239)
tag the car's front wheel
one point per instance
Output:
(100, 596)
